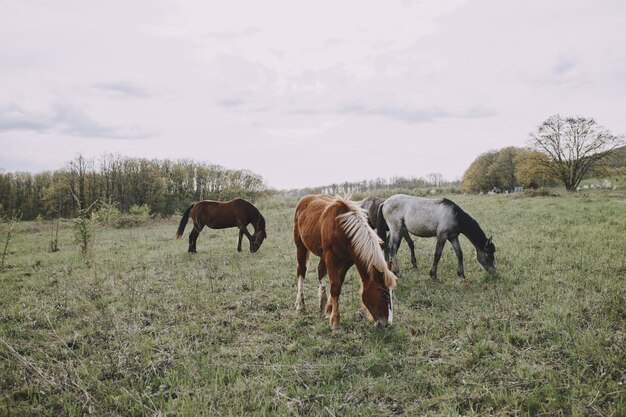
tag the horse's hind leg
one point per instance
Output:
(394, 244)
(243, 230)
(193, 237)
(409, 241)
(454, 241)
(302, 256)
(441, 241)
(321, 273)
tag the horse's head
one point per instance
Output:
(377, 297)
(257, 240)
(486, 256)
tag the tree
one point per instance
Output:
(502, 170)
(530, 169)
(574, 146)
(478, 177)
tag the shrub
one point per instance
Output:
(107, 214)
(137, 216)
(141, 212)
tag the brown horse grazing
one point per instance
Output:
(222, 214)
(336, 230)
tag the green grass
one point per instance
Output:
(139, 327)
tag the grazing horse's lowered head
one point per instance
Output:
(259, 234)
(486, 256)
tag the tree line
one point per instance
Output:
(563, 150)
(165, 186)
(381, 186)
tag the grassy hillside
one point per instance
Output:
(139, 327)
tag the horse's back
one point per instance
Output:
(370, 205)
(223, 214)
(315, 219)
(422, 217)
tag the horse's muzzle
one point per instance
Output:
(382, 324)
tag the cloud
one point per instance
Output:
(64, 119)
(230, 35)
(405, 114)
(122, 89)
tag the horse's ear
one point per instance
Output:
(489, 243)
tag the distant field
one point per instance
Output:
(139, 327)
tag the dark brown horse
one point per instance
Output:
(222, 214)
(336, 230)
(370, 205)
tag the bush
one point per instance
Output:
(141, 212)
(107, 214)
(137, 216)
(540, 192)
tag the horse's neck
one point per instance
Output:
(472, 230)
(258, 222)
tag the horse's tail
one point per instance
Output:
(364, 241)
(183, 221)
(382, 226)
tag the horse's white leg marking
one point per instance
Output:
(390, 316)
(334, 314)
(300, 295)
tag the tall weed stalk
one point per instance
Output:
(12, 221)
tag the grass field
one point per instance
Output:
(139, 327)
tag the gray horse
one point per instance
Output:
(371, 205)
(402, 214)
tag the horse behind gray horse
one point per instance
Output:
(428, 218)
(370, 205)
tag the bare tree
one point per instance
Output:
(574, 145)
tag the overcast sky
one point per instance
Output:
(302, 93)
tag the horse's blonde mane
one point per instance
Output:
(365, 241)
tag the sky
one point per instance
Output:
(302, 93)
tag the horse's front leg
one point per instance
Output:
(243, 230)
(239, 240)
(336, 276)
(321, 273)
(454, 241)
(302, 257)
(441, 241)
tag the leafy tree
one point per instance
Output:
(530, 169)
(478, 177)
(502, 170)
(574, 146)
